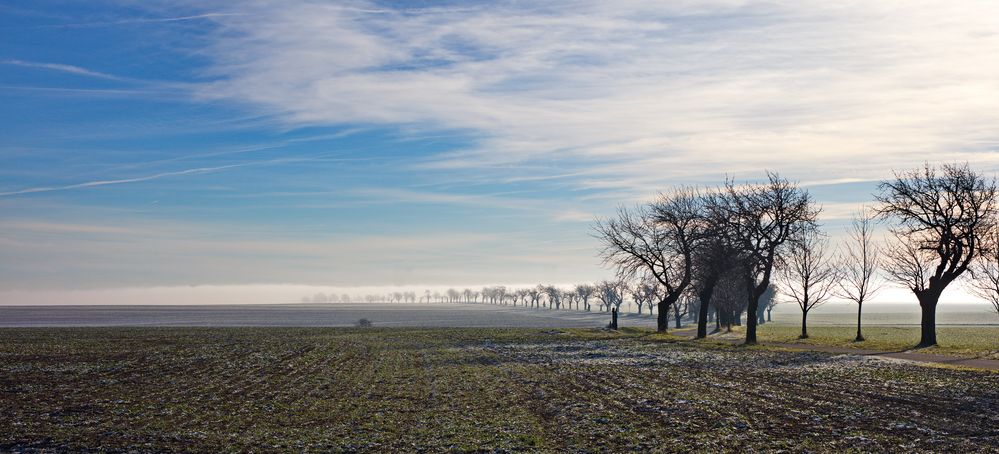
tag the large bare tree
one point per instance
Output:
(658, 239)
(809, 275)
(762, 219)
(985, 272)
(859, 265)
(940, 219)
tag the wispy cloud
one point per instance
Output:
(644, 92)
(69, 69)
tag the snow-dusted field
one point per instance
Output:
(381, 315)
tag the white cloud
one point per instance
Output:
(648, 92)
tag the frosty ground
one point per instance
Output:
(447, 389)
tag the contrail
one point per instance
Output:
(63, 68)
(143, 20)
(91, 184)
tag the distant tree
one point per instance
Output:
(437, 297)
(682, 308)
(658, 239)
(535, 294)
(767, 303)
(554, 297)
(761, 220)
(611, 294)
(583, 294)
(810, 275)
(859, 265)
(644, 292)
(568, 297)
(333, 298)
(985, 272)
(345, 298)
(940, 220)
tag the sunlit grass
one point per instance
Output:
(953, 340)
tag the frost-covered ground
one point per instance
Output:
(501, 390)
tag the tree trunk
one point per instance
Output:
(614, 319)
(751, 321)
(928, 304)
(702, 312)
(860, 337)
(804, 325)
(676, 313)
(702, 320)
(662, 321)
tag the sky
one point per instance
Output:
(239, 145)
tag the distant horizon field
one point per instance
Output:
(453, 315)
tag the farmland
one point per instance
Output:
(444, 389)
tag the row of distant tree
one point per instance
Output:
(643, 295)
(736, 241)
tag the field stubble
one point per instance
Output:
(315, 389)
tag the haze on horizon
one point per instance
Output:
(163, 145)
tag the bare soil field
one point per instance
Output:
(472, 389)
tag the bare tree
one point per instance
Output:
(729, 298)
(534, 293)
(761, 219)
(940, 220)
(767, 303)
(714, 259)
(568, 297)
(809, 277)
(584, 292)
(644, 292)
(859, 265)
(611, 294)
(985, 272)
(658, 239)
(554, 297)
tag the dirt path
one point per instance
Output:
(977, 363)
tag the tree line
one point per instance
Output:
(603, 296)
(712, 254)
(740, 241)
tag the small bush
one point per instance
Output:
(364, 323)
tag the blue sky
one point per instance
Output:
(419, 143)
